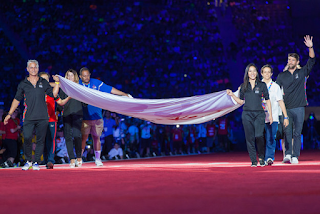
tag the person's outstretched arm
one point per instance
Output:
(308, 42)
(14, 106)
(118, 92)
(237, 99)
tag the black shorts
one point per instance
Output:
(11, 147)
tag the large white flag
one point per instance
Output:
(187, 110)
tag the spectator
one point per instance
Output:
(108, 125)
(10, 145)
(211, 135)
(146, 130)
(116, 152)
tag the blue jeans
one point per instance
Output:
(293, 131)
(271, 133)
(50, 145)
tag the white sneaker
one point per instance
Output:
(78, 163)
(294, 160)
(35, 166)
(269, 162)
(72, 165)
(27, 166)
(98, 162)
(287, 159)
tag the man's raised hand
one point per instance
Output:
(308, 41)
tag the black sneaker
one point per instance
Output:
(262, 163)
(254, 165)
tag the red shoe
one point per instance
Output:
(50, 165)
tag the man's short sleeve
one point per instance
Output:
(47, 87)
(104, 87)
(279, 81)
(20, 93)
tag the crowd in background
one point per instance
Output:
(265, 36)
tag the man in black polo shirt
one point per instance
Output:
(33, 90)
(293, 82)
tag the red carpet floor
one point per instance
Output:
(214, 183)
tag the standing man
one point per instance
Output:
(293, 81)
(92, 116)
(35, 116)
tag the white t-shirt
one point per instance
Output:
(116, 132)
(275, 95)
(113, 152)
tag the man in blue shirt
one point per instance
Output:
(92, 122)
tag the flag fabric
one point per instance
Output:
(186, 110)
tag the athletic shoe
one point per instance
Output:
(294, 160)
(78, 163)
(5, 165)
(262, 163)
(49, 165)
(287, 159)
(35, 166)
(72, 165)
(9, 163)
(254, 165)
(98, 162)
(269, 162)
(27, 165)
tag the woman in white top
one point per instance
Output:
(277, 105)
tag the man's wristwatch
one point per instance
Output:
(286, 118)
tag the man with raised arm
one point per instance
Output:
(293, 82)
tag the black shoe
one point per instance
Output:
(4, 165)
(254, 164)
(262, 163)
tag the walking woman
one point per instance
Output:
(72, 120)
(252, 91)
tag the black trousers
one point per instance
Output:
(72, 133)
(41, 129)
(253, 124)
